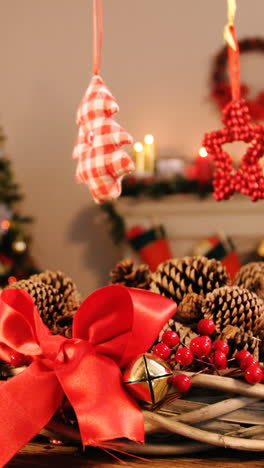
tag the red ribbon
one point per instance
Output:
(111, 327)
(234, 65)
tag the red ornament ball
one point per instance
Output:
(220, 345)
(219, 360)
(181, 382)
(201, 345)
(206, 327)
(170, 338)
(253, 374)
(184, 356)
(162, 351)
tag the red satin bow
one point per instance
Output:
(111, 327)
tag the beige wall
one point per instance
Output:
(156, 60)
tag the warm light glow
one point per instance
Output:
(149, 139)
(19, 246)
(56, 442)
(138, 147)
(203, 153)
(5, 224)
(261, 249)
(12, 279)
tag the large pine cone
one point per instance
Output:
(177, 277)
(63, 284)
(238, 316)
(55, 297)
(251, 276)
(126, 274)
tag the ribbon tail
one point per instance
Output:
(103, 408)
(27, 403)
(234, 65)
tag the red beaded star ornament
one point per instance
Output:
(248, 178)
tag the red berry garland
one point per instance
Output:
(184, 356)
(162, 351)
(206, 327)
(206, 354)
(253, 374)
(220, 345)
(181, 382)
(201, 346)
(170, 338)
(219, 359)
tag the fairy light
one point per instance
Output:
(5, 225)
(19, 246)
(202, 152)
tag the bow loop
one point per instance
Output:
(105, 319)
(18, 324)
(112, 326)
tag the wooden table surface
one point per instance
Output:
(41, 455)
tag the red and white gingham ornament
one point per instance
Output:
(102, 162)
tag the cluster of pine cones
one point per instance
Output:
(202, 289)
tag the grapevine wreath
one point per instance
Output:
(177, 351)
(220, 87)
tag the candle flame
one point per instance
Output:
(138, 147)
(202, 152)
(149, 139)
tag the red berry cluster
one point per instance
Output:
(203, 350)
(252, 371)
(248, 178)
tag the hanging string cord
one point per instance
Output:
(231, 13)
(97, 35)
(233, 50)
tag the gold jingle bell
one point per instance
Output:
(146, 378)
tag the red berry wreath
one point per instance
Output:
(220, 87)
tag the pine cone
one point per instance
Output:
(237, 314)
(63, 284)
(126, 274)
(177, 277)
(251, 276)
(56, 299)
(189, 309)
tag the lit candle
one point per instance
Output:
(203, 167)
(139, 158)
(149, 148)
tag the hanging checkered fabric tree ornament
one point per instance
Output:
(101, 160)
(248, 178)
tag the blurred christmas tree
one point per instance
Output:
(15, 260)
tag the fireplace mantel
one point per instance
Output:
(188, 219)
